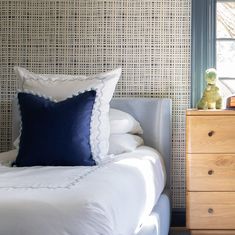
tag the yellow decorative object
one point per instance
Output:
(211, 98)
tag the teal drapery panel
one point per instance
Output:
(203, 44)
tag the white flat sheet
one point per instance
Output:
(110, 199)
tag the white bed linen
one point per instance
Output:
(110, 199)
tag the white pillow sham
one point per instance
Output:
(60, 87)
(122, 122)
(121, 143)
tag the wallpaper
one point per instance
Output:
(149, 39)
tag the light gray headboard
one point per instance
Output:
(153, 114)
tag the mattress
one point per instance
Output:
(113, 198)
(158, 222)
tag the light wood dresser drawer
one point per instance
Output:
(211, 210)
(211, 172)
(210, 134)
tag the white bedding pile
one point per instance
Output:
(109, 199)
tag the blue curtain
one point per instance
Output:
(203, 44)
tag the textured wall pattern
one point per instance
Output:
(149, 39)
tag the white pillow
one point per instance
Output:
(121, 143)
(60, 87)
(122, 122)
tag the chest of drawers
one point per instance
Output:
(210, 172)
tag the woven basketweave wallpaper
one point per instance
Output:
(149, 39)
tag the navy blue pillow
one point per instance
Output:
(55, 133)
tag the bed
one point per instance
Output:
(99, 199)
(157, 134)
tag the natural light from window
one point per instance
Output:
(225, 39)
(225, 47)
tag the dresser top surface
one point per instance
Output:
(214, 112)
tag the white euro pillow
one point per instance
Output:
(121, 143)
(60, 87)
(122, 122)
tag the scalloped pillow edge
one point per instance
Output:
(17, 141)
(96, 129)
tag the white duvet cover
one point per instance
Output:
(110, 199)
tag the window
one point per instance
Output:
(225, 39)
(213, 44)
(225, 44)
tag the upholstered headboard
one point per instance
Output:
(153, 114)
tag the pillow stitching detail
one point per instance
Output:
(20, 114)
(62, 77)
(75, 180)
(28, 75)
(97, 107)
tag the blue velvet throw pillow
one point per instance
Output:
(55, 133)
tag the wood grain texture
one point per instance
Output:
(218, 112)
(210, 134)
(211, 172)
(211, 210)
(212, 232)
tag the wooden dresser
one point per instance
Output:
(210, 167)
